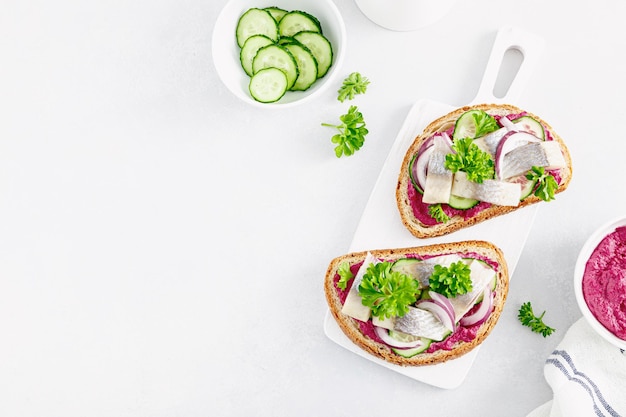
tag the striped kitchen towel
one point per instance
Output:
(587, 376)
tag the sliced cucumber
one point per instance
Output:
(262, 45)
(532, 126)
(276, 12)
(410, 352)
(320, 47)
(250, 49)
(276, 56)
(406, 266)
(527, 185)
(256, 22)
(528, 188)
(268, 85)
(307, 66)
(284, 40)
(461, 203)
(412, 175)
(298, 21)
(466, 125)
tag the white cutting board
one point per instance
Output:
(380, 226)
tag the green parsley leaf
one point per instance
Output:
(354, 84)
(546, 184)
(352, 131)
(527, 317)
(388, 293)
(485, 124)
(345, 275)
(437, 213)
(452, 280)
(470, 158)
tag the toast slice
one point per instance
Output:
(363, 331)
(415, 213)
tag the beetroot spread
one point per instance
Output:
(604, 282)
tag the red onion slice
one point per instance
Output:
(444, 302)
(505, 122)
(482, 312)
(384, 336)
(420, 167)
(442, 314)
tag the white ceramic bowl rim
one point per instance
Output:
(226, 52)
(586, 251)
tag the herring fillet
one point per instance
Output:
(490, 191)
(520, 160)
(439, 178)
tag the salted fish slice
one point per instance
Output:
(520, 160)
(353, 305)
(422, 323)
(438, 177)
(490, 191)
(489, 143)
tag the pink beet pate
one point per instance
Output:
(604, 282)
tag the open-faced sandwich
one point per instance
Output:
(418, 306)
(476, 163)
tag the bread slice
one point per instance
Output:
(351, 327)
(403, 199)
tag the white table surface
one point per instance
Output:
(163, 245)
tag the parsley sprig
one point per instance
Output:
(546, 184)
(354, 84)
(345, 275)
(351, 134)
(485, 123)
(470, 158)
(388, 293)
(452, 280)
(527, 317)
(436, 212)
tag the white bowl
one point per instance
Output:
(226, 51)
(584, 255)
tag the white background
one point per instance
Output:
(163, 244)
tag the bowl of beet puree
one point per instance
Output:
(600, 281)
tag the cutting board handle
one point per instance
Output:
(509, 39)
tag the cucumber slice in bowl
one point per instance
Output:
(276, 12)
(320, 47)
(298, 21)
(250, 49)
(276, 56)
(268, 85)
(307, 66)
(256, 22)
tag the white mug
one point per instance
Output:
(405, 15)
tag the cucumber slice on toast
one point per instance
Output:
(532, 126)
(461, 203)
(465, 126)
